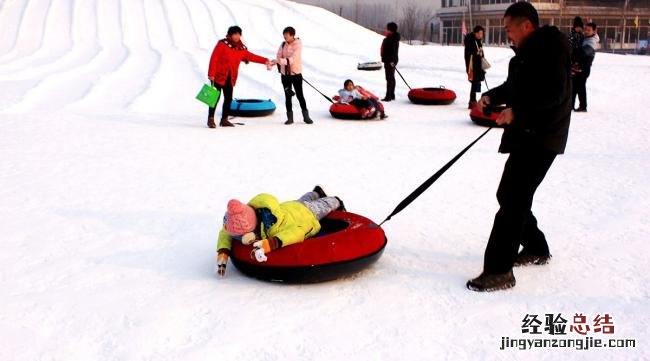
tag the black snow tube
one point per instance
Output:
(251, 107)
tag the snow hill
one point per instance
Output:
(112, 190)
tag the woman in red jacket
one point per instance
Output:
(224, 65)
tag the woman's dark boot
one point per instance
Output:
(306, 118)
(289, 118)
(225, 123)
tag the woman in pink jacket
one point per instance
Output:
(224, 66)
(290, 65)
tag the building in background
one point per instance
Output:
(622, 24)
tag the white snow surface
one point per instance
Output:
(113, 190)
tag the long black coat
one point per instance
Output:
(538, 89)
(472, 47)
(390, 48)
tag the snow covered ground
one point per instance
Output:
(112, 190)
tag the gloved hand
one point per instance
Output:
(261, 248)
(222, 261)
(248, 238)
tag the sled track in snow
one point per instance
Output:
(143, 55)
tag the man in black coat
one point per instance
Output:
(389, 56)
(537, 94)
(474, 52)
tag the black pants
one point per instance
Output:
(294, 81)
(361, 103)
(580, 89)
(390, 81)
(514, 223)
(476, 88)
(226, 91)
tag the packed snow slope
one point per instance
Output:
(113, 191)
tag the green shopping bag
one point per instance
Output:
(209, 95)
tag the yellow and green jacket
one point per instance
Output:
(290, 222)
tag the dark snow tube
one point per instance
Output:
(373, 65)
(349, 111)
(480, 118)
(432, 96)
(347, 243)
(251, 107)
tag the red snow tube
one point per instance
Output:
(432, 96)
(480, 118)
(346, 244)
(349, 111)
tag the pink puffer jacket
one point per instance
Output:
(290, 54)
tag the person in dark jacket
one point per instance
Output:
(537, 94)
(224, 66)
(389, 56)
(581, 68)
(576, 36)
(474, 53)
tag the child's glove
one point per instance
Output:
(222, 261)
(264, 246)
(248, 238)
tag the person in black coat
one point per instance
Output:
(389, 56)
(583, 57)
(537, 94)
(474, 52)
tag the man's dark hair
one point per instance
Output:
(392, 27)
(290, 30)
(346, 82)
(523, 10)
(591, 25)
(478, 28)
(234, 30)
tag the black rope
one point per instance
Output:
(400, 75)
(326, 97)
(424, 186)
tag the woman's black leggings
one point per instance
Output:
(296, 81)
(226, 90)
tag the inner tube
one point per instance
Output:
(371, 65)
(346, 243)
(432, 96)
(349, 111)
(480, 118)
(251, 107)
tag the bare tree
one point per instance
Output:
(415, 22)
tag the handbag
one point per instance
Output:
(485, 65)
(209, 95)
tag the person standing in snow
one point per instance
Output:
(474, 53)
(576, 36)
(389, 56)
(268, 224)
(224, 66)
(537, 93)
(289, 61)
(581, 68)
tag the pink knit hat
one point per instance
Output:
(239, 219)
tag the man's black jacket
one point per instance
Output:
(538, 89)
